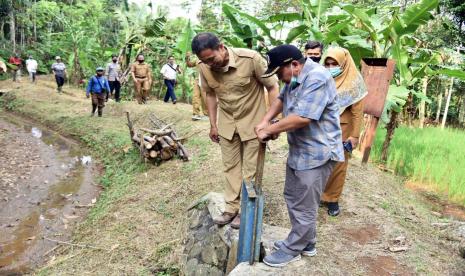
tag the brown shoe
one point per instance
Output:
(236, 223)
(225, 218)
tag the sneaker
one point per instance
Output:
(196, 118)
(280, 258)
(333, 209)
(204, 118)
(308, 251)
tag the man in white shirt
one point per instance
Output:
(169, 72)
(113, 74)
(31, 65)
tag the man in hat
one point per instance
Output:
(17, 62)
(308, 102)
(232, 79)
(98, 87)
(142, 77)
(59, 71)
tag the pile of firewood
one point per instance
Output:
(159, 142)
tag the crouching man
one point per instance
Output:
(308, 102)
(98, 87)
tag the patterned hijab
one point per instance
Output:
(350, 84)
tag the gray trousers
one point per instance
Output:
(302, 192)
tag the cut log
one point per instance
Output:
(157, 132)
(130, 125)
(153, 154)
(136, 139)
(163, 143)
(169, 141)
(166, 154)
(151, 140)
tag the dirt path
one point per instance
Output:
(142, 227)
(41, 183)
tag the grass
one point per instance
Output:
(432, 159)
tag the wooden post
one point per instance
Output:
(369, 138)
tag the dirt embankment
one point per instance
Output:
(384, 228)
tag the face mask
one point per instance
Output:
(293, 84)
(335, 71)
(315, 59)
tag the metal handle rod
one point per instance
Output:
(260, 166)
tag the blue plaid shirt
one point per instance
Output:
(314, 98)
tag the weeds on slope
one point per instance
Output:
(430, 157)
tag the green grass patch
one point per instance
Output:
(431, 158)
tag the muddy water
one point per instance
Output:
(46, 187)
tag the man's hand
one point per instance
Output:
(353, 141)
(263, 136)
(262, 125)
(214, 135)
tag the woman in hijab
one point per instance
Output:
(351, 90)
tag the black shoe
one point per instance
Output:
(174, 102)
(333, 209)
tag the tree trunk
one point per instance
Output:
(2, 30)
(440, 96)
(421, 114)
(446, 109)
(462, 112)
(390, 127)
(410, 110)
(11, 15)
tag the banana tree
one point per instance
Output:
(182, 47)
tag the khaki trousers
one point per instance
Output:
(335, 185)
(142, 87)
(199, 106)
(239, 162)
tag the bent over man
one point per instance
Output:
(232, 80)
(308, 101)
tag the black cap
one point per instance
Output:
(279, 56)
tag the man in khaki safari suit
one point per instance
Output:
(142, 77)
(235, 91)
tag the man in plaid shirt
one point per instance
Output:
(308, 101)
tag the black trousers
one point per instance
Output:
(114, 86)
(60, 80)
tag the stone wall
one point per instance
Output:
(211, 250)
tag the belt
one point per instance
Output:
(140, 77)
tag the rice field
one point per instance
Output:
(432, 158)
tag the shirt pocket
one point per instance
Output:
(238, 84)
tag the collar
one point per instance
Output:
(308, 66)
(232, 58)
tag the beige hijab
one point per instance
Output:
(350, 84)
